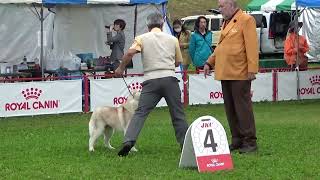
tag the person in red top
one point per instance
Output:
(291, 48)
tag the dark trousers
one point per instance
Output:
(238, 107)
(152, 92)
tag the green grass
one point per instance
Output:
(178, 8)
(314, 65)
(56, 146)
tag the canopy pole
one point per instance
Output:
(41, 41)
(296, 30)
(135, 21)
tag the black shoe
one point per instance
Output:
(248, 149)
(125, 148)
(233, 147)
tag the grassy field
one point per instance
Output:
(55, 147)
(178, 8)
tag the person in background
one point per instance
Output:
(183, 35)
(235, 61)
(116, 42)
(200, 43)
(291, 48)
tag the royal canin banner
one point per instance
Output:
(35, 98)
(287, 86)
(207, 90)
(309, 85)
(113, 92)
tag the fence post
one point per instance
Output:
(275, 85)
(86, 93)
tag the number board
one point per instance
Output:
(207, 143)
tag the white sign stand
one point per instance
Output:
(206, 146)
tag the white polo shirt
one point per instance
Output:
(159, 52)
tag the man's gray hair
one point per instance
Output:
(233, 3)
(155, 20)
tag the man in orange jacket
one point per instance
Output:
(291, 49)
(235, 60)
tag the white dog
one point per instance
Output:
(105, 119)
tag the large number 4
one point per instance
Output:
(211, 144)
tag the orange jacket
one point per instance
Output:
(290, 50)
(237, 52)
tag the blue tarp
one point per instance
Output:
(147, 1)
(309, 3)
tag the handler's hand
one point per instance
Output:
(119, 72)
(206, 69)
(251, 76)
(111, 27)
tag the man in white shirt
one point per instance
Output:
(160, 53)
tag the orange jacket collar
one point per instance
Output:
(230, 25)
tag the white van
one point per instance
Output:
(271, 29)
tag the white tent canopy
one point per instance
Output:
(71, 28)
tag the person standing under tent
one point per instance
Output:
(183, 35)
(291, 48)
(116, 42)
(200, 43)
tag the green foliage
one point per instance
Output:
(56, 146)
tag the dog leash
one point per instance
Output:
(127, 86)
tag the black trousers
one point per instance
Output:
(238, 107)
(152, 92)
